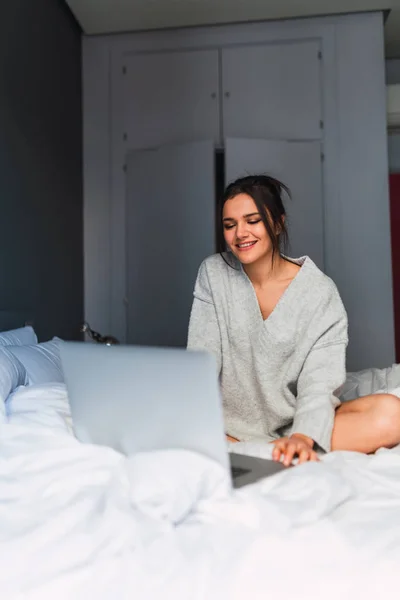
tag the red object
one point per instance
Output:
(394, 186)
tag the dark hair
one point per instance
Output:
(267, 195)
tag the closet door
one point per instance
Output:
(170, 97)
(169, 230)
(272, 91)
(298, 165)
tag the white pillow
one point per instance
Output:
(12, 375)
(41, 361)
(24, 336)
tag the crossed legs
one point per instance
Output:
(367, 424)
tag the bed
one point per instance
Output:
(84, 522)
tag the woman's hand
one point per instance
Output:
(295, 445)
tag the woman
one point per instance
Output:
(278, 330)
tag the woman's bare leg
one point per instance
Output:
(368, 423)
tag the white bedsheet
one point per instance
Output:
(83, 522)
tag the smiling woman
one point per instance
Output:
(278, 329)
(266, 224)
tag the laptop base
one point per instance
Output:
(249, 469)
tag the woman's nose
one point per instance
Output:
(241, 230)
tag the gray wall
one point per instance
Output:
(365, 282)
(392, 71)
(393, 77)
(394, 152)
(41, 246)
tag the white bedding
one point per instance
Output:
(83, 522)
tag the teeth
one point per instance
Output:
(246, 244)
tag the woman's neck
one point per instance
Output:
(263, 270)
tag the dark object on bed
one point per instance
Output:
(107, 340)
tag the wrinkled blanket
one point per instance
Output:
(83, 522)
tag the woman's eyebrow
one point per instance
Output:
(245, 216)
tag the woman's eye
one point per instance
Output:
(253, 222)
(228, 226)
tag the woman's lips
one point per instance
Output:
(244, 246)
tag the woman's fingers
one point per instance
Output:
(291, 450)
(276, 454)
(280, 447)
(305, 456)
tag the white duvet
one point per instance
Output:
(83, 522)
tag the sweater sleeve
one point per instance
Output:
(321, 377)
(204, 333)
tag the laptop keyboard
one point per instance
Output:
(238, 471)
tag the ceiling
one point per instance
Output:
(114, 16)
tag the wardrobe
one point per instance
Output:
(189, 110)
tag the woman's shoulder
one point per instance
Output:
(316, 288)
(214, 275)
(320, 285)
(319, 304)
(314, 273)
(218, 264)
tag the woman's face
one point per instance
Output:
(244, 231)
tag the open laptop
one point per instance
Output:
(138, 399)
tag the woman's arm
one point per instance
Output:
(321, 377)
(204, 333)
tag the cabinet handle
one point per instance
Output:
(213, 95)
(227, 94)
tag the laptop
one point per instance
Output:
(139, 399)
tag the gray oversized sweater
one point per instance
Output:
(280, 375)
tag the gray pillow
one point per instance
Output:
(42, 362)
(23, 336)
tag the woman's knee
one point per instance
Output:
(386, 417)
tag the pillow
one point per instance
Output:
(12, 375)
(18, 337)
(41, 361)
